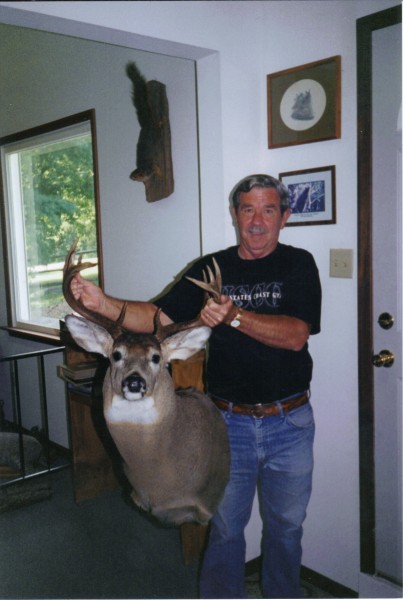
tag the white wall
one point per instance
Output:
(252, 39)
(139, 256)
(85, 74)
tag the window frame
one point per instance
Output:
(46, 334)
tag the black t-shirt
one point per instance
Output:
(239, 368)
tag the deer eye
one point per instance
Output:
(117, 355)
(156, 358)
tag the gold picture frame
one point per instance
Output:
(304, 103)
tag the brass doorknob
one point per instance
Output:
(385, 358)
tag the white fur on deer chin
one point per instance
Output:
(142, 411)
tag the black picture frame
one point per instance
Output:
(312, 196)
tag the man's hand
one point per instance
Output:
(90, 295)
(277, 331)
(214, 314)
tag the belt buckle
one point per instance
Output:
(258, 411)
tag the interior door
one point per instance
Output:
(380, 301)
(387, 298)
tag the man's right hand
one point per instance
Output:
(86, 292)
(139, 315)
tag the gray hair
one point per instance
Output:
(262, 181)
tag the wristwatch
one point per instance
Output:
(236, 321)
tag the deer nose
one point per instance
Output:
(134, 386)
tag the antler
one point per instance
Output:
(70, 270)
(211, 284)
(161, 332)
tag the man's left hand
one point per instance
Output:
(214, 314)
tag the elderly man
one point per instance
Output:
(258, 374)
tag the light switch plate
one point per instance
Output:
(341, 262)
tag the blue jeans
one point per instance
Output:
(274, 455)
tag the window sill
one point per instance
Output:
(47, 338)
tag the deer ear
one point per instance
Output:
(184, 344)
(90, 336)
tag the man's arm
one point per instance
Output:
(278, 331)
(139, 316)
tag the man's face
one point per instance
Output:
(259, 221)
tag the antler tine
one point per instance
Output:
(70, 270)
(205, 280)
(218, 277)
(161, 332)
(211, 284)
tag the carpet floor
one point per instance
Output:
(102, 548)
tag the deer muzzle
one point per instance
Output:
(134, 387)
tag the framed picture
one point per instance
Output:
(312, 196)
(303, 103)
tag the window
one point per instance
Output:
(49, 186)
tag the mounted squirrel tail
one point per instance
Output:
(139, 95)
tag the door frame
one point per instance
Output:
(365, 27)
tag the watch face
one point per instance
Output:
(235, 323)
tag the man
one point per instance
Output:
(258, 374)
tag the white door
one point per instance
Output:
(379, 94)
(387, 298)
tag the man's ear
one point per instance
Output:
(285, 216)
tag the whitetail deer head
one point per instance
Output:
(174, 445)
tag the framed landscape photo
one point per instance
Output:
(312, 196)
(303, 103)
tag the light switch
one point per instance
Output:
(341, 262)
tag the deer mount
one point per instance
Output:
(154, 159)
(173, 444)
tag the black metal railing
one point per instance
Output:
(47, 464)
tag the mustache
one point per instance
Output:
(257, 229)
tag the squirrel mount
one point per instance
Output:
(154, 159)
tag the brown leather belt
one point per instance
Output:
(262, 410)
